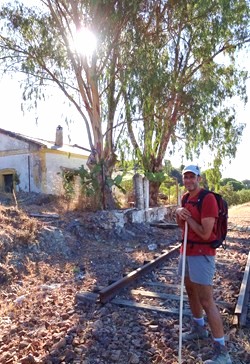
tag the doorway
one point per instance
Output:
(8, 183)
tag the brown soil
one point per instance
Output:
(46, 261)
(240, 213)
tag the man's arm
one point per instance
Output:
(204, 230)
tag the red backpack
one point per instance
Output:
(222, 222)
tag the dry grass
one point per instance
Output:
(240, 215)
(240, 210)
(17, 226)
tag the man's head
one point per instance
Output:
(191, 177)
(193, 169)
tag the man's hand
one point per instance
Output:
(183, 213)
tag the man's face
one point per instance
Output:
(190, 181)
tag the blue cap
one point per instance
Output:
(193, 169)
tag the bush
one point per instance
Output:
(244, 196)
(234, 197)
(229, 194)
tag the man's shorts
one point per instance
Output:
(200, 269)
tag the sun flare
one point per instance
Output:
(84, 41)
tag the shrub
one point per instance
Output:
(229, 194)
(244, 196)
(234, 197)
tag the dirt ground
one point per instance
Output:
(240, 212)
(49, 254)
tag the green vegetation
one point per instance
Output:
(162, 72)
(234, 197)
(92, 182)
(237, 186)
(235, 192)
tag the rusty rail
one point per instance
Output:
(107, 293)
(240, 313)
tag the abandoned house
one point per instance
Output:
(35, 165)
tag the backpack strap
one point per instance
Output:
(200, 199)
(201, 196)
(184, 200)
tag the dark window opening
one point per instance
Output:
(8, 182)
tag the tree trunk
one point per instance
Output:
(103, 190)
(153, 193)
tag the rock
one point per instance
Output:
(59, 345)
(23, 344)
(70, 355)
(136, 342)
(115, 356)
(152, 247)
(28, 360)
(134, 359)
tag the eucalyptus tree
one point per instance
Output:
(45, 43)
(160, 56)
(212, 177)
(186, 71)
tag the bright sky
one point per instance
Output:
(43, 122)
(239, 167)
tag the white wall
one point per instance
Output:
(38, 171)
(7, 143)
(55, 163)
(18, 163)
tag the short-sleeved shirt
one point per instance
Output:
(209, 209)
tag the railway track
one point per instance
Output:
(155, 286)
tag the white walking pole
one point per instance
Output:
(182, 288)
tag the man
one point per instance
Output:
(200, 264)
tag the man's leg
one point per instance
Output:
(205, 294)
(193, 297)
(220, 355)
(198, 330)
(201, 269)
